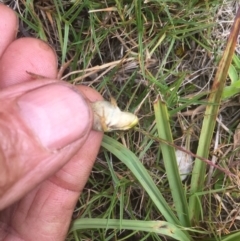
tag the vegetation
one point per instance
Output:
(158, 59)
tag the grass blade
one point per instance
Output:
(169, 158)
(159, 227)
(197, 181)
(137, 168)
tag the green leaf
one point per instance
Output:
(236, 61)
(198, 174)
(232, 237)
(137, 168)
(159, 227)
(230, 91)
(233, 75)
(170, 162)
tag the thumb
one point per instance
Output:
(42, 126)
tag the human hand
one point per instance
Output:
(47, 146)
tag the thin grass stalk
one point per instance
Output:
(198, 174)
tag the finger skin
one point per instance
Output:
(8, 26)
(45, 212)
(25, 161)
(49, 207)
(27, 59)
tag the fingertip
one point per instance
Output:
(90, 93)
(57, 114)
(95, 137)
(86, 157)
(8, 26)
(25, 56)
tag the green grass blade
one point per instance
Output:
(137, 168)
(169, 158)
(198, 174)
(159, 227)
(65, 42)
(139, 22)
(232, 237)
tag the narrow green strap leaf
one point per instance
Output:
(137, 168)
(232, 237)
(159, 227)
(170, 163)
(198, 174)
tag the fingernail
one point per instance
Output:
(56, 114)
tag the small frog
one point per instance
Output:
(108, 117)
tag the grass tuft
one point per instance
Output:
(136, 51)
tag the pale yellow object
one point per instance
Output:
(108, 117)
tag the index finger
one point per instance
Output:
(8, 26)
